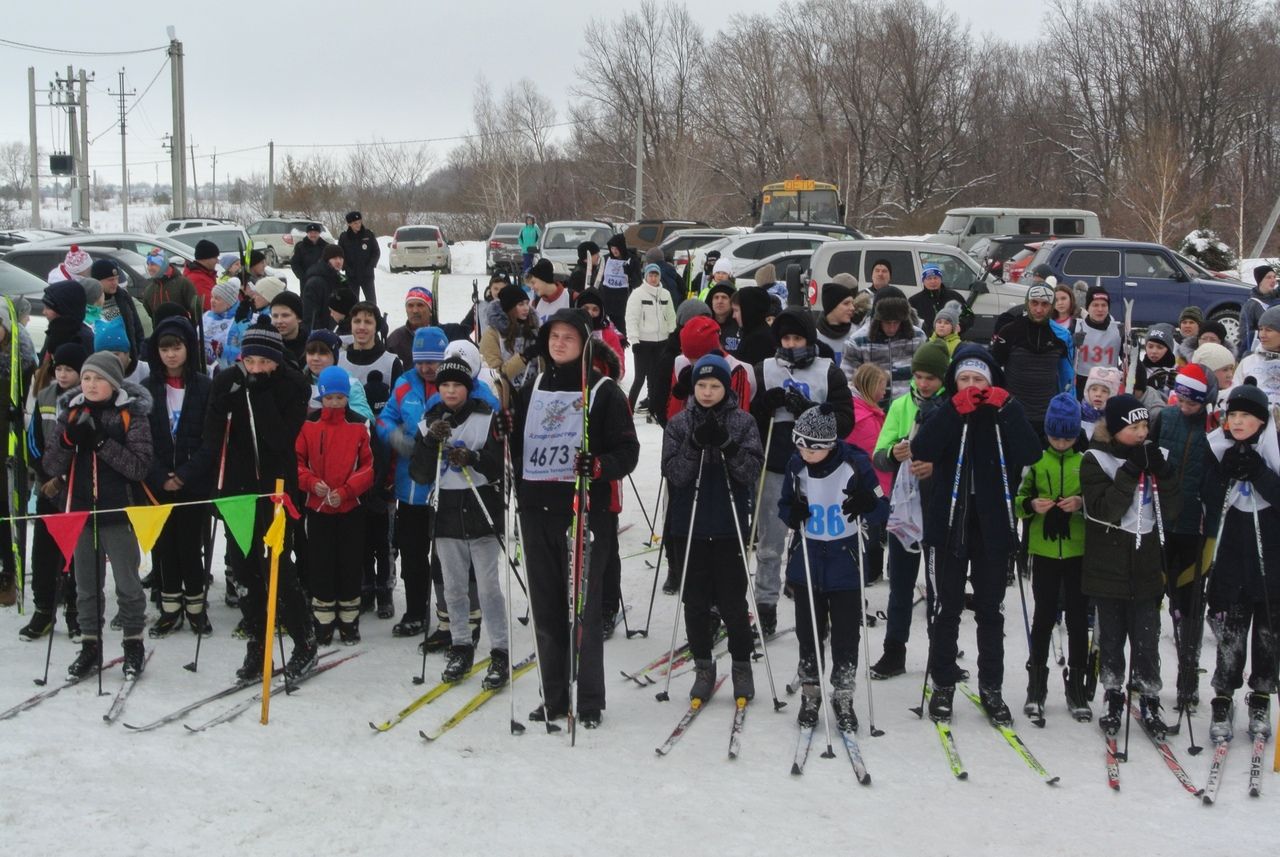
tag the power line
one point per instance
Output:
(358, 145)
(136, 101)
(43, 50)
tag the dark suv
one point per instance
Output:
(1158, 281)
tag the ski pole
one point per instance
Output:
(755, 509)
(533, 626)
(1013, 532)
(778, 704)
(812, 596)
(99, 568)
(931, 566)
(665, 694)
(434, 502)
(866, 644)
(57, 597)
(213, 529)
(643, 510)
(581, 548)
(653, 592)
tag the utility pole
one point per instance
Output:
(35, 149)
(84, 148)
(213, 203)
(124, 161)
(639, 212)
(195, 183)
(179, 126)
(271, 174)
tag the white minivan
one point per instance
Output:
(964, 227)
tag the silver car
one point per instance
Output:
(277, 236)
(422, 246)
(175, 252)
(503, 251)
(560, 240)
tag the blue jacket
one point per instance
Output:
(833, 565)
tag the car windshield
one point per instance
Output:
(505, 230)
(569, 237)
(1195, 268)
(417, 233)
(953, 224)
(226, 240)
(14, 281)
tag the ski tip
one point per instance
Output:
(865, 780)
(963, 775)
(1208, 801)
(796, 770)
(376, 728)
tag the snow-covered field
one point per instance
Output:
(317, 780)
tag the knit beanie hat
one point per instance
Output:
(1251, 400)
(101, 269)
(429, 344)
(1096, 292)
(1214, 356)
(1259, 273)
(1104, 376)
(268, 287)
(156, 257)
(1192, 312)
(70, 354)
(1217, 328)
(543, 271)
(329, 338)
(1270, 318)
(420, 294)
(655, 255)
(711, 366)
(1163, 333)
(1062, 417)
(511, 297)
(228, 292)
(815, 428)
(931, 358)
(950, 312)
(930, 271)
(290, 300)
(77, 261)
(106, 366)
(699, 337)
(723, 265)
(466, 351)
(262, 341)
(342, 300)
(766, 274)
(334, 379)
(205, 249)
(456, 370)
(111, 336)
(834, 294)
(92, 290)
(587, 248)
(1040, 293)
(1123, 411)
(1192, 383)
(648, 269)
(689, 310)
(226, 260)
(331, 251)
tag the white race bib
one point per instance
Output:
(615, 274)
(552, 435)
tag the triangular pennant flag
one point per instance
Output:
(274, 539)
(65, 527)
(238, 513)
(147, 522)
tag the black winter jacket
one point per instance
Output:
(261, 450)
(320, 284)
(360, 253)
(181, 452)
(680, 460)
(306, 254)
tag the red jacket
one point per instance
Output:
(203, 279)
(333, 447)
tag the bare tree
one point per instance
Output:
(15, 171)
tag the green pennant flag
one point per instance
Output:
(238, 512)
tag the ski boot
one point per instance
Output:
(461, 659)
(704, 680)
(232, 596)
(497, 674)
(135, 657)
(1220, 721)
(994, 705)
(892, 663)
(590, 718)
(1259, 715)
(302, 660)
(768, 620)
(1149, 707)
(744, 683)
(609, 624)
(1077, 699)
(541, 714)
(941, 700)
(842, 706)
(198, 617)
(87, 662)
(1037, 691)
(73, 626)
(810, 703)
(1114, 700)
(671, 584)
(386, 605)
(170, 616)
(324, 633)
(408, 626)
(251, 669)
(41, 623)
(349, 632)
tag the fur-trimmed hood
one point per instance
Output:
(130, 396)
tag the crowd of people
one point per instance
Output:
(806, 453)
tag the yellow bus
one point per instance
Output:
(799, 200)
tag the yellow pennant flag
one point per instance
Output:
(147, 522)
(274, 538)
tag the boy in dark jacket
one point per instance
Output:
(181, 470)
(1242, 477)
(710, 448)
(335, 466)
(967, 524)
(829, 485)
(256, 410)
(462, 448)
(101, 444)
(1119, 479)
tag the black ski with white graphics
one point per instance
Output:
(48, 693)
(855, 757)
(122, 695)
(695, 708)
(276, 689)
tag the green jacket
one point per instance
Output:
(900, 424)
(1054, 476)
(529, 235)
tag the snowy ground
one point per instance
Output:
(317, 780)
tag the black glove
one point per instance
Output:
(857, 501)
(1156, 462)
(799, 511)
(1057, 525)
(795, 402)
(682, 388)
(81, 431)
(774, 398)
(710, 433)
(530, 352)
(1242, 462)
(439, 430)
(1138, 461)
(587, 465)
(460, 456)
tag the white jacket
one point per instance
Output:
(651, 317)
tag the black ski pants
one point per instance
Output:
(717, 576)
(179, 552)
(253, 572)
(837, 613)
(1248, 625)
(1050, 579)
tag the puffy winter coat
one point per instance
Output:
(360, 254)
(458, 514)
(264, 423)
(651, 316)
(1055, 476)
(179, 448)
(203, 280)
(868, 344)
(333, 448)
(305, 254)
(321, 282)
(1185, 441)
(1033, 357)
(493, 345)
(1237, 577)
(1253, 308)
(123, 456)
(868, 421)
(171, 287)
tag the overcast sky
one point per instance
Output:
(323, 72)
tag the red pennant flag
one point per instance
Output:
(65, 527)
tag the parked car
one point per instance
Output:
(134, 242)
(15, 283)
(986, 296)
(679, 245)
(1151, 275)
(39, 261)
(744, 251)
(964, 227)
(14, 237)
(277, 236)
(781, 262)
(503, 251)
(560, 240)
(644, 234)
(996, 252)
(178, 223)
(421, 246)
(229, 239)
(831, 230)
